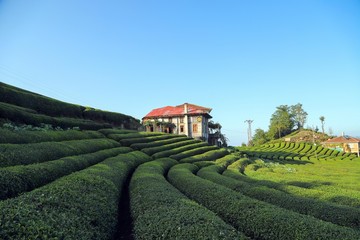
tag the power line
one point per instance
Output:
(249, 130)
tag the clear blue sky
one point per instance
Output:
(241, 58)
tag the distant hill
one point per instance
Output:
(24, 107)
(303, 136)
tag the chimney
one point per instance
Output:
(342, 134)
(185, 108)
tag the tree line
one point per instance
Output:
(285, 120)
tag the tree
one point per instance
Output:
(281, 122)
(260, 137)
(299, 115)
(322, 119)
(215, 129)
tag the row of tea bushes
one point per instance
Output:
(83, 205)
(157, 143)
(55, 108)
(23, 178)
(27, 116)
(25, 136)
(155, 200)
(130, 141)
(172, 151)
(166, 147)
(207, 156)
(255, 218)
(16, 154)
(341, 215)
(193, 152)
(120, 136)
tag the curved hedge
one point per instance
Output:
(23, 178)
(83, 205)
(256, 219)
(193, 152)
(130, 141)
(341, 215)
(140, 146)
(16, 154)
(20, 115)
(207, 156)
(37, 102)
(24, 136)
(154, 200)
(152, 150)
(173, 151)
(121, 136)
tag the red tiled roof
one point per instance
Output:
(343, 139)
(179, 110)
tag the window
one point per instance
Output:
(181, 128)
(195, 128)
(181, 119)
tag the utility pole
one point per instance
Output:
(249, 131)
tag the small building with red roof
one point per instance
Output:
(344, 143)
(189, 119)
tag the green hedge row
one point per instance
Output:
(107, 131)
(82, 205)
(207, 156)
(152, 150)
(55, 108)
(193, 152)
(158, 143)
(24, 136)
(223, 162)
(19, 115)
(176, 150)
(16, 154)
(39, 103)
(255, 218)
(341, 215)
(23, 178)
(115, 119)
(130, 141)
(160, 211)
(121, 136)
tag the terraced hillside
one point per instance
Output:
(123, 184)
(25, 107)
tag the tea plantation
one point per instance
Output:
(123, 184)
(103, 182)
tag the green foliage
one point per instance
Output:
(260, 137)
(17, 179)
(255, 218)
(121, 136)
(341, 215)
(178, 150)
(153, 150)
(139, 146)
(38, 103)
(16, 154)
(57, 113)
(154, 200)
(83, 205)
(31, 136)
(207, 156)
(130, 141)
(24, 116)
(281, 122)
(193, 152)
(298, 115)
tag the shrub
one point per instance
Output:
(16, 154)
(24, 136)
(207, 156)
(153, 150)
(83, 205)
(130, 141)
(173, 151)
(193, 152)
(256, 219)
(157, 143)
(154, 200)
(17, 179)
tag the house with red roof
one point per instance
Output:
(189, 119)
(344, 143)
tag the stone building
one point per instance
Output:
(189, 119)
